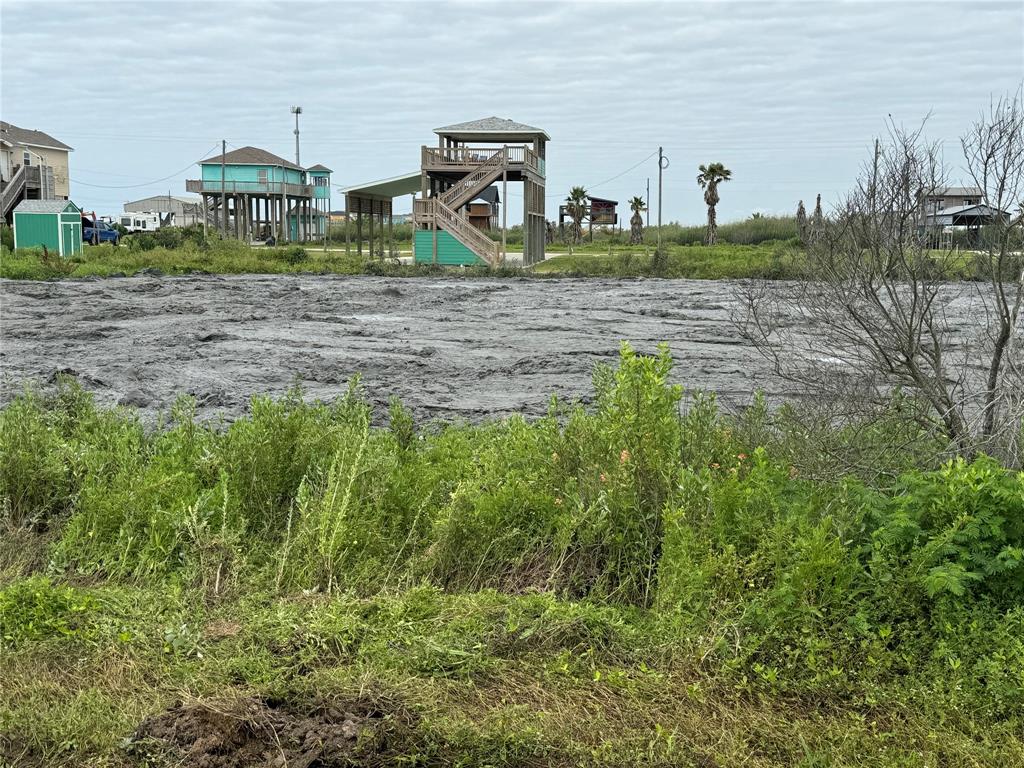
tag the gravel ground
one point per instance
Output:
(452, 348)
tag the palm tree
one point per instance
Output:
(709, 178)
(576, 207)
(636, 222)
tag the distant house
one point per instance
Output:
(950, 197)
(251, 192)
(603, 211)
(33, 166)
(485, 209)
(968, 216)
(943, 225)
(174, 210)
(598, 210)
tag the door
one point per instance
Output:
(67, 239)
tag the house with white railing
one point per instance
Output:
(33, 166)
(251, 193)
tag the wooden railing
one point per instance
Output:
(433, 211)
(211, 187)
(455, 158)
(473, 183)
(11, 192)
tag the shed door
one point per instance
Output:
(67, 239)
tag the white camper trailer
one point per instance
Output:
(144, 221)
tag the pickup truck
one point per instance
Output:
(96, 232)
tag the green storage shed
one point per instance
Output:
(57, 224)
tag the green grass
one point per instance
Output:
(223, 258)
(768, 260)
(645, 581)
(722, 261)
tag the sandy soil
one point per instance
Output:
(447, 347)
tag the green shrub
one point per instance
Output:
(735, 545)
(35, 477)
(953, 533)
(36, 609)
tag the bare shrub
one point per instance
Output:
(875, 295)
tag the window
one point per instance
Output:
(262, 175)
(27, 158)
(968, 201)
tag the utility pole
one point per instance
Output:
(223, 188)
(662, 165)
(297, 111)
(648, 201)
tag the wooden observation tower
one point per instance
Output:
(469, 158)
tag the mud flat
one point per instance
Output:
(452, 348)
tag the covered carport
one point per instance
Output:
(968, 218)
(373, 204)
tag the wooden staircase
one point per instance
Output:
(471, 185)
(12, 191)
(435, 213)
(476, 168)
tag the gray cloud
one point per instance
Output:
(789, 95)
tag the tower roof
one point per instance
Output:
(489, 127)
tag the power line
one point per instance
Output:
(631, 168)
(145, 183)
(600, 183)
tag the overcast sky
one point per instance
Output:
(788, 96)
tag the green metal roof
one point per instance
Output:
(387, 189)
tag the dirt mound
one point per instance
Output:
(255, 733)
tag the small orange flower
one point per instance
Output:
(741, 456)
(624, 456)
(604, 478)
(714, 465)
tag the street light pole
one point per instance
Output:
(297, 111)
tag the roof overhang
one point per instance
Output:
(509, 136)
(386, 189)
(42, 146)
(489, 128)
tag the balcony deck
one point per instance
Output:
(255, 188)
(461, 160)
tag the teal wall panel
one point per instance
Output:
(211, 172)
(32, 230)
(449, 250)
